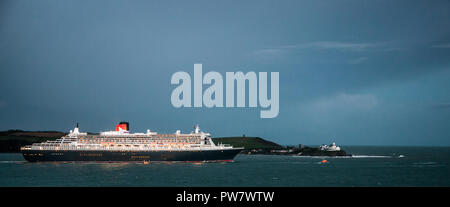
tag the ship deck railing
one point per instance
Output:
(127, 148)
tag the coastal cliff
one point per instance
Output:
(257, 145)
(12, 140)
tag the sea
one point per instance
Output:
(368, 166)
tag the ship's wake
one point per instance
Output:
(348, 157)
(12, 161)
(370, 156)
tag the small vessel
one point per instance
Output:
(332, 147)
(323, 150)
(122, 146)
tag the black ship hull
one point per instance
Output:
(129, 156)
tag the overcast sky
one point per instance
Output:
(356, 72)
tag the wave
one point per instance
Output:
(370, 156)
(12, 161)
(427, 164)
(322, 157)
(347, 157)
(424, 163)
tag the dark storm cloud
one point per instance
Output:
(341, 63)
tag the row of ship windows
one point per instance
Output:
(91, 154)
(119, 145)
(138, 137)
(145, 143)
(171, 137)
(122, 139)
(140, 157)
(131, 141)
(142, 141)
(34, 154)
(133, 138)
(83, 154)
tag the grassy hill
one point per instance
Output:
(248, 142)
(12, 140)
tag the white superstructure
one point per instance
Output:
(332, 147)
(123, 140)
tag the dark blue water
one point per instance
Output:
(371, 166)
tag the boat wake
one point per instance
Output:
(348, 157)
(370, 156)
(424, 163)
(12, 161)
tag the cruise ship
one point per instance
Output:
(122, 146)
